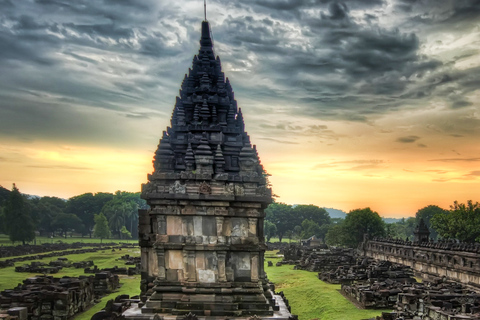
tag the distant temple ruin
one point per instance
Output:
(202, 240)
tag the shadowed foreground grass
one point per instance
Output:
(103, 259)
(311, 298)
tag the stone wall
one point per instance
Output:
(453, 261)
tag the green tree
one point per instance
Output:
(100, 229)
(282, 216)
(402, 229)
(462, 222)
(313, 213)
(67, 222)
(336, 234)
(270, 229)
(85, 206)
(359, 222)
(427, 213)
(18, 220)
(125, 233)
(309, 228)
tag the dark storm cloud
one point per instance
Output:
(343, 68)
(59, 167)
(457, 160)
(407, 139)
(442, 13)
(323, 58)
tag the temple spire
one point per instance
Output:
(205, 8)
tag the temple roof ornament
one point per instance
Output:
(207, 134)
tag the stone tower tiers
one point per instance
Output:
(202, 240)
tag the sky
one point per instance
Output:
(353, 104)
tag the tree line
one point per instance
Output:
(461, 222)
(101, 215)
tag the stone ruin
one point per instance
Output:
(437, 300)
(11, 251)
(377, 283)
(202, 240)
(317, 259)
(45, 297)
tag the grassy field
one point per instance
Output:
(103, 259)
(4, 240)
(311, 298)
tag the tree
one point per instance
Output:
(18, 221)
(270, 229)
(402, 229)
(313, 213)
(282, 216)
(125, 233)
(336, 234)
(85, 206)
(427, 213)
(101, 230)
(66, 222)
(359, 222)
(309, 228)
(462, 222)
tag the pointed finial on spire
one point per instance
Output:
(205, 8)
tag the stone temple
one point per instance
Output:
(202, 240)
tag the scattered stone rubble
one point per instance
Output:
(11, 251)
(11, 262)
(378, 283)
(318, 258)
(115, 270)
(435, 301)
(46, 297)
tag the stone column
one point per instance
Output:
(262, 266)
(161, 225)
(220, 236)
(254, 266)
(252, 227)
(144, 259)
(221, 256)
(161, 264)
(152, 263)
(190, 270)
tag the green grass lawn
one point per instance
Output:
(311, 298)
(103, 259)
(4, 240)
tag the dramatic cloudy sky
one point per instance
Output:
(351, 104)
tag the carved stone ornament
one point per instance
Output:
(230, 189)
(148, 187)
(204, 188)
(239, 190)
(177, 187)
(254, 317)
(190, 316)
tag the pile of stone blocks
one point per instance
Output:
(435, 301)
(380, 284)
(45, 297)
(11, 262)
(318, 259)
(105, 282)
(38, 267)
(82, 264)
(114, 270)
